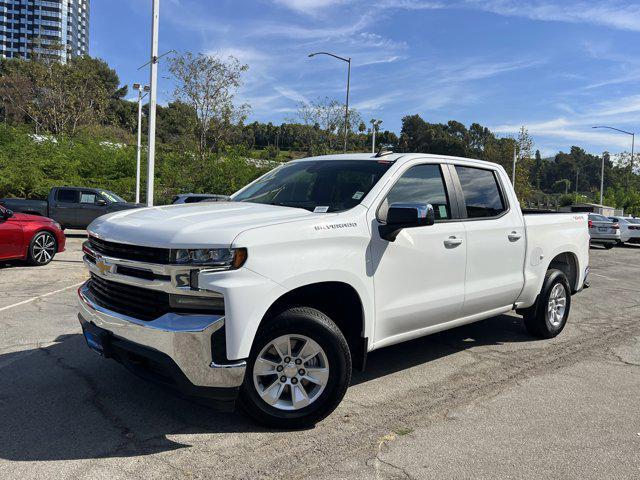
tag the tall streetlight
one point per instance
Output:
(153, 100)
(141, 90)
(633, 142)
(374, 126)
(346, 111)
(515, 161)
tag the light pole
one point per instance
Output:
(140, 89)
(153, 100)
(602, 181)
(515, 161)
(633, 142)
(346, 110)
(374, 126)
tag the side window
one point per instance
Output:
(67, 196)
(481, 192)
(88, 197)
(420, 184)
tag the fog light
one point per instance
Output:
(191, 302)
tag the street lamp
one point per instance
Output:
(374, 126)
(346, 111)
(140, 89)
(633, 141)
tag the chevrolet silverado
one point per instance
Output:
(273, 297)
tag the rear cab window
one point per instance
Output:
(481, 192)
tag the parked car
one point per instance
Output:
(71, 207)
(273, 297)
(198, 197)
(629, 230)
(603, 231)
(634, 221)
(29, 237)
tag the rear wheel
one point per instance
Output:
(42, 249)
(298, 371)
(548, 317)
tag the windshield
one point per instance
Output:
(319, 186)
(112, 197)
(634, 220)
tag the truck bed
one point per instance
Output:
(547, 237)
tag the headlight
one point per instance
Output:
(223, 258)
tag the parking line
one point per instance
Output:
(40, 296)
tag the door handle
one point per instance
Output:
(514, 236)
(452, 242)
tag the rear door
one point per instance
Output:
(495, 240)
(92, 206)
(11, 238)
(65, 208)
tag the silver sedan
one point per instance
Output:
(603, 231)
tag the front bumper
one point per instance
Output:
(186, 340)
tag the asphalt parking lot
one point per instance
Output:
(480, 401)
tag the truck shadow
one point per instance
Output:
(62, 402)
(493, 331)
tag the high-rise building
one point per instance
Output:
(51, 28)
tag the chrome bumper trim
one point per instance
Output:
(186, 339)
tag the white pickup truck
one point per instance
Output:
(274, 296)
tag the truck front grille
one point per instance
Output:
(142, 303)
(131, 252)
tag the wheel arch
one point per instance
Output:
(567, 263)
(340, 301)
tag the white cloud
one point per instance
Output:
(308, 7)
(613, 14)
(578, 127)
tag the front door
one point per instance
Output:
(495, 242)
(92, 206)
(418, 278)
(11, 237)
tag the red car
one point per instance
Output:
(29, 237)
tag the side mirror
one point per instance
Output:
(406, 215)
(5, 213)
(101, 201)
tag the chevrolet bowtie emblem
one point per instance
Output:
(103, 266)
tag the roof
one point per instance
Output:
(392, 157)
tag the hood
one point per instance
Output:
(126, 206)
(26, 218)
(191, 225)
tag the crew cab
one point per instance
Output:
(274, 296)
(71, 207)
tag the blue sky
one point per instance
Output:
(556, 67)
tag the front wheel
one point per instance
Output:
(548, 317)
(298, 371)
(42, 249)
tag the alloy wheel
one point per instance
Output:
(557, 304)
(291, 372)
(44, 248)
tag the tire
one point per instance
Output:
(42, 249)
(609, 246)
(539, 320)
(304, 330)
